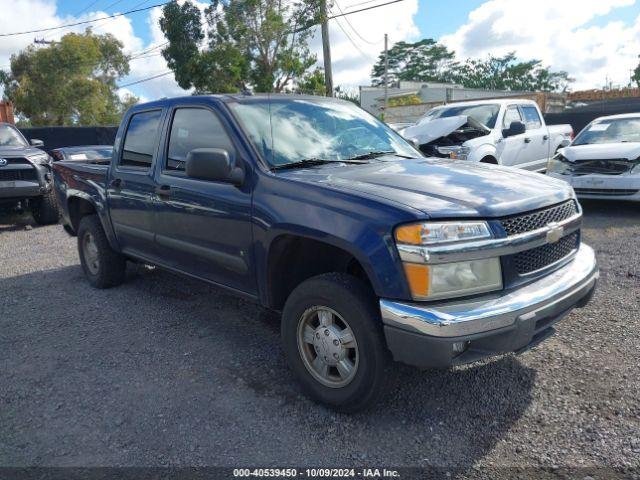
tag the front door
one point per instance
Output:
(131, 188)
(203, 227)
(513, 151)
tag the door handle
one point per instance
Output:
(527, 140)
(116, 183)
(163, 190)
(545, 138)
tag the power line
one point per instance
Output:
(365, 9)
(51, 34)
(354, 30)
(360, 3)
(355, 45)
(145, 79)
(88, 21)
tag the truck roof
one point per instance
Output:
(488, 101)
(232, 97)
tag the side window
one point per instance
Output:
(140, 140)
(531, 116)
(511, 115)
(194, 128)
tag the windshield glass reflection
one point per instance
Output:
(290, 130)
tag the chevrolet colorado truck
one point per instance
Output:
(25, 175)
(510, 132)
(312, 207)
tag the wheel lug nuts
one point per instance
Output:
(335, 342)
(326, 332)
(335, 355)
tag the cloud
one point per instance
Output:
(561, 34)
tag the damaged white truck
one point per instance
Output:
(509, 132)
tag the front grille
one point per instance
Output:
(616, 166)
(18, 161)
(15, 175)
(541, 257)
(613, 192)
(539, 218)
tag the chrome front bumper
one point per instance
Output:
(552, 295)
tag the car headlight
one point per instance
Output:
(455, 152)
(40, 158)
(558, 164)
(430, 233)
(447, 280)
(636, 168)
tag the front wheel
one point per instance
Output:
(333, 340)
(45, 209)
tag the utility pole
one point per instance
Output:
(326, 49)
(386, 74)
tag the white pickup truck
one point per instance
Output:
(508, 132)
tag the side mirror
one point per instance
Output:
(213, 164)
(36, 142)
(516, 128)
(565, 143)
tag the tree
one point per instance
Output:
(423, 61)
(636, 75)
(312, 83)
(251, 44)
(506, 73)
(71, 82)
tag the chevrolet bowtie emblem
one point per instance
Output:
(555, 232)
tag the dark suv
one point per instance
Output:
(25, 175)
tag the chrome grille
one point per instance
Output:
(539, 218)
(605, 191)
(13, 175)
(541, 257)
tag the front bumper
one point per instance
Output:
(451, 333)
(19, 189)
(621, 187)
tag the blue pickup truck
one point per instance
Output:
(312, 207)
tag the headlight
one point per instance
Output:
(636, 168)
(430, 233)
(456, 152)
(40, 158)
(448, 280)
(558, 164)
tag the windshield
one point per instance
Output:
(289, 130)
(485, 114)
(610, 131)
(10, 137)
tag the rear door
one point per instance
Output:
(537, 137)
(131, 187)
(204, 227)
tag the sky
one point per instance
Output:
(594, 40)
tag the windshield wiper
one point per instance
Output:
(312, 162)
(370, 155)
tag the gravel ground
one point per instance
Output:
(168, 371)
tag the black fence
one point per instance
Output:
(55, 137)
(579, 117)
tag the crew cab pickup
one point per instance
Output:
(312, 207)
(509, 132)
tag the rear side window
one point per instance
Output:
(194, 128)
(511, 115)
(531, 116)
(140, 140)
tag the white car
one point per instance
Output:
(509, 132)
(604, 160)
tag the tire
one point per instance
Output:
(490, 160)
(349, 302)
(103, 267)
(45, 209)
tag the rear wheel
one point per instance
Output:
(45, 209)
(333, 340)
(102, 266)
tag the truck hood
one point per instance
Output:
(19, 151)
(441, 188)
(452, 130)
(604, 151)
